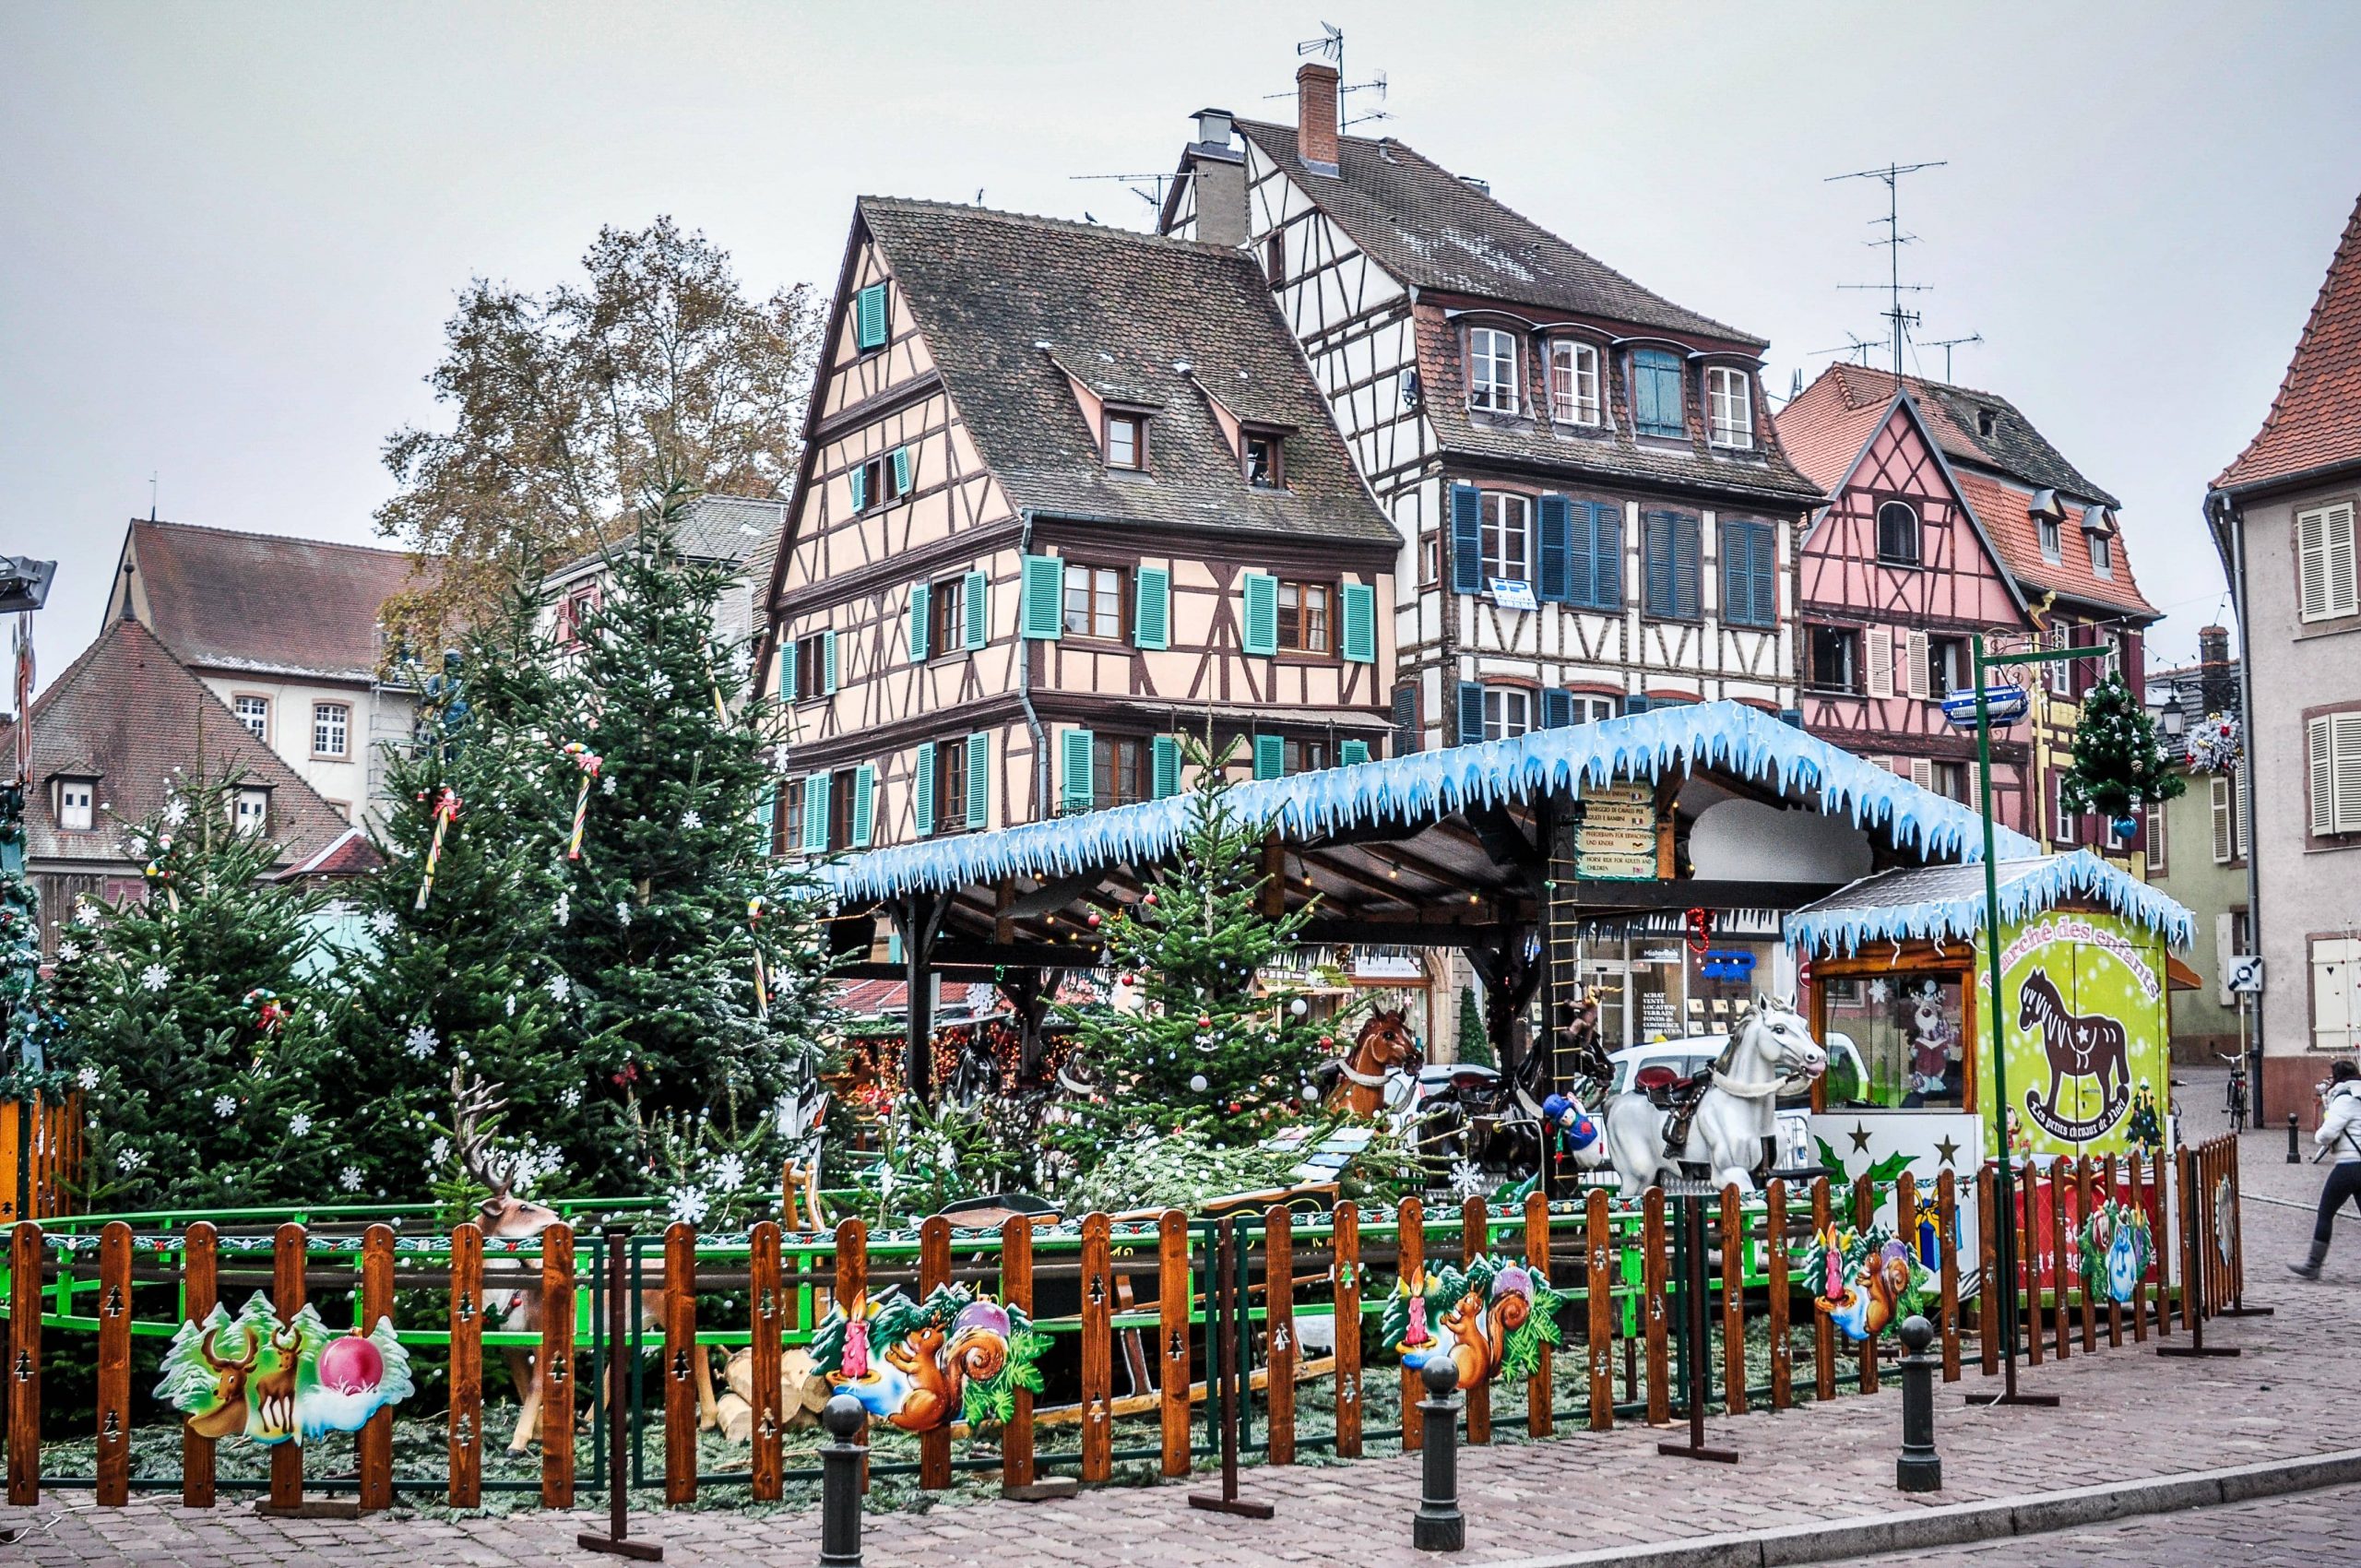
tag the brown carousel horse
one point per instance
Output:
(1384, 1044)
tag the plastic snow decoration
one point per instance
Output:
(421, 1041)
(155, 977)
(2215, 744)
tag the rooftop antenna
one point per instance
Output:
(1947, 345)
(1895, 240)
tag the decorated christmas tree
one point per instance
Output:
(2118, 763)
(198, 1033)
(1211, 1045)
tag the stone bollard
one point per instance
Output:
(2293, 1158)
(1438, 1526)
(1919, 1468)
(840, 1483)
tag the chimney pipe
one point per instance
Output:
(1315, 117)
(1218, 171)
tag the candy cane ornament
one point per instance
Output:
(446, 810)
(590, 762)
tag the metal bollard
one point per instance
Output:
(2293, 1158)
(840, 1483)
(1438, 1526)
(1919, 1468)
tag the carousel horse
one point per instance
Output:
(1358, 1080)
(1730, 1125)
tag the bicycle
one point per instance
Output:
(2237, 1091)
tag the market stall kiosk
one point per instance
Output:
(1895, 977)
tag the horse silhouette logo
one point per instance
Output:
(2079, 1046)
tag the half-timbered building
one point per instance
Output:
(1951, 514)
(1068, 495)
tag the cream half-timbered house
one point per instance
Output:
(1596, 514)
(1069, 494)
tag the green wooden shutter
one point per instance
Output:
(1270, 757)
(1261, 592)
(868, 317)
(1471, 712)
(1359, 644)
(828, 663)
(980, 778)
(976, 609)
(815, 813)
(901, 471)
(860, 488)
(1558, 550)
(1466, 540)
(1152, 608)
(1045, 587)
(864, 804)
(1164, 759)
(921, 601)
(1352, 753)
(1606, 555)
(922, 791)
(1074, 791)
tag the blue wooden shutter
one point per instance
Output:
(901, 471)
(1152, 608)
(1557, 708)
(1361, 622)
(815, 813)
(921, 596)
(1352, 753)
(1270, 757)
(980, 778)
(1558, 550)
(1656, 566)
(864, 804)
(1685, 567)
(1074, 771)
(976, 610)
(1164, 753)
(922, 791)
(1261, 592)
(1466, 540)
(1635, 702)
(868, 317)
(1605, 556)
(1471, 712)
(860, 488)
(828, 663)
(1045, 584)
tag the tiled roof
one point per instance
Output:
(129, 711)
(2315, 420)
(223, 600)
(2001, 507)
(1427, 226)
(1120, 311)
(1954, 414)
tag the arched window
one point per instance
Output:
(1898, 534)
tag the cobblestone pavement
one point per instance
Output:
(2126, 1414)
(2309, 1530)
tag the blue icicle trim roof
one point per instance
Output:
(1946, 903)
(1428, 786)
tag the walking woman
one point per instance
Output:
(2340, 1130)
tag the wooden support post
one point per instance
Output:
(1278, 1333)
(200, 1249)
(24, 1364)
(1016, 1291)
(1864, 1211)
(679, 1366)
(1098, 1350)
(373, 1445)
(1777, 1296)
(1538, 1423)
(1347, 1249)
(114, 1366)
(934, 1271)
(851, 1292)
(766, 1308)
(1474, 1237)
(287, 1255)
(1988, 1315)
(1599, 1292)
(466, 1367)
(1652, 1308)
(1410, 1253)
(1823, 1333)
(1173, 1294)
(553, 1367)
(1947, 1249)
(1733, 1302)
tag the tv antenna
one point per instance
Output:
(1893, 287)
(1330, 46)
(1948, 344)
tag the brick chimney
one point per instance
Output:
(1315, 117)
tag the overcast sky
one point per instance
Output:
(233, 231)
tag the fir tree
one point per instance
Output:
(199, 1033)
(1209, 1047)
(2118, 763)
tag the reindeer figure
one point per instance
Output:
(505, 1215)
(274, 1392)
(229, 1417)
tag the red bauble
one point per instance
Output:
(351, 1365)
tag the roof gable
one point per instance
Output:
(2314, 417)
(224, 599)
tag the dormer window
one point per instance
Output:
(1266, 460)
(1491, 370)
(1573, 383)
(1729, 408)
(75, 812)
(1126, 440)
(1656, 394)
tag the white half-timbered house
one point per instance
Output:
(1068, 494)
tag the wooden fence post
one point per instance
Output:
(288, 1249)
(466, 1367)
(553, 1367)
(1537, 1391)
(1598, 1291)
(851, 1291)
(373, 1445)
(1733, 1302)
(766, 1291)
(1410, 1261)
(1778, 1292)
(934, 1272)
(1016, 1292)
(1278, 1332)
(200, 1251)
(1098, 1347)
(1947, 1249)
(24, 1364)
(1346, 1248)
(1475, 1238)
(680, 1371)
(1172, 1299)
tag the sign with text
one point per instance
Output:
(1615, 839)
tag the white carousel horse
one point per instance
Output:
(1771, 1048)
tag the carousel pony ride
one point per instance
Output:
(1724, 1122)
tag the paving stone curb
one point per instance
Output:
(1957, 1524)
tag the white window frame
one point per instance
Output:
(1497, 533)
(336, 718)
(2328, 570)
(1574, 396)
(1491, 385)
(76, 804)
(2332, 754)
(253, 712)
(1508, 712)
(1729, 408)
